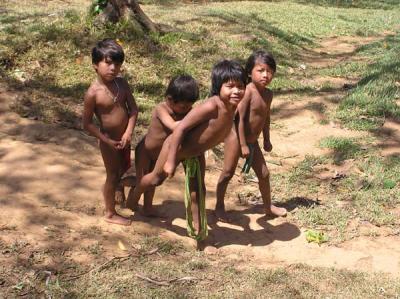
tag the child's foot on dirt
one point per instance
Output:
(221, 215)
(152, 213)
(276, 211)
(117, 219)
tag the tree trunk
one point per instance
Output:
(130, 10)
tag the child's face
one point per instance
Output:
(180, 107)
(107, 69)
(261, 74)
(232, 92)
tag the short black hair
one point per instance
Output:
(183, 88)
(261, 56)
(224, 71)
(107, 48)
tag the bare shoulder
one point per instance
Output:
(209, 105)
(204, 109)
(160, 108)
(92, 92)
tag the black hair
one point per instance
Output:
(224, 71)
(183, 88)
(107, 48)
(261, 56)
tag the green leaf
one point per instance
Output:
(19, 286)
(388, 184)
(316, 237)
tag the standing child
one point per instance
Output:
(254, 118)
(180, 96)
(110, 99)
(203, 127)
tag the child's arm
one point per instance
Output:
(133, 113)
(87, 120)
(242, 109)
(196, 116)
(165, 118)
(267, 141)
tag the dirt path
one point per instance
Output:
(51, 179)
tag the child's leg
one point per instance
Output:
(148, 209)
(231, 157)
(119, 191)
(111, 160)
(142, 163)
(125, 163)
(260, 168)
(150, 180)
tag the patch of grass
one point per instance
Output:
(374, 97)
(366, 4)
(50, 46)
(164, 246)
(370, 194)
(343, 148)
(347, 69)
(304, 169)
(327, 216)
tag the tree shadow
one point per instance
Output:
(261, 31)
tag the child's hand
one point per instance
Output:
(114, 144)
(267, 146)
(245, 151)
(126, 140)
(169, 169)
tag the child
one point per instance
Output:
(110, 99)
(203, 127)
(180, 96)
(254, 117)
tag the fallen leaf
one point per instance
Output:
(121, 245)
(316, 237)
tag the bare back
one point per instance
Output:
(213, 130)
(257, 112)
(158, 132)
(113, 117)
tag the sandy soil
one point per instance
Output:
(51, 201)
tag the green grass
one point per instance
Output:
(366, 195)
(374, 97)
(343, 148)
(51, 47)
(213, 278)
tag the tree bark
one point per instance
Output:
(130, 10)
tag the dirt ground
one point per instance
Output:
(51, 179)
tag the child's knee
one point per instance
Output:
(226, 176)
(265, 174)
(157, 180)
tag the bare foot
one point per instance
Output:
(117, 219)
(152, 213)
(221, 215)
(120, 197)
(276, 211)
